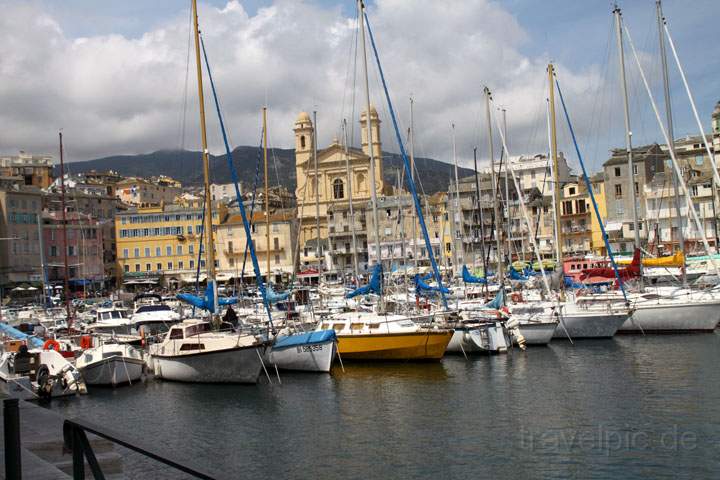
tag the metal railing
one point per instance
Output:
(75, 438)
(74, 433)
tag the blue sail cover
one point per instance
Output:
(570, 283)
(375, 285)
(515, 275)
(469, 278)
(206, 302)
(499, 300)
(273, 296)
(422, 288)
(32, 342)
(299, 339)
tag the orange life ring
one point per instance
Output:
(51, 345)
(516, 297)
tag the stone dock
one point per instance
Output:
(44, 456)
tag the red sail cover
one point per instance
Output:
(631, 271)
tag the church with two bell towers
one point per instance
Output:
(332, 189)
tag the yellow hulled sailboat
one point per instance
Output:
(375, 336)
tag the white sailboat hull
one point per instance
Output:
(489, 338)
(539, 333)
(231, 365)
(113, 371)
(316, 357)
(590, 324)
(679, 317)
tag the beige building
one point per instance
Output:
(575, 219)
(145, 193)
(31, 170)
(332, 179)
(230, 241)
(20, 208)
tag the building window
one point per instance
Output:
(694, 190)
(168, 250)
(126, 253)
(181, 265)
(126, 268)
(699, 160)
(571, 191)
(637, 189)
(635, 170)
(276, 243)
(618, 191)
(147, 267)
(617, 171)
(179, 250)
(53, 251)
(302, 141)
(277, 259)
(338, 189)
(147, 253)
(230, 247)
(192, 264)
(137, 252)
(137, 267)
(170, 265)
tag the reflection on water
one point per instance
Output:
(629, 407)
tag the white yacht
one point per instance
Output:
(193, 352)
(152, 316)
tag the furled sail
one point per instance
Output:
(375, 285)
(207, 301)
(422, 288)
(676, 260)
(469, 278)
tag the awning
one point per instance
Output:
(613, 226)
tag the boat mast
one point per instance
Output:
(412, 177)
(506, 210)
(43, 270)
(478, 205)
(556, 176)
(458, 208)
(679, 220)
(66, 283)
(496, 193)
(318, 248)
(209, 242)
(373, 186)
(552, 171)
(267, 194)
(350, 202)
(628, 132)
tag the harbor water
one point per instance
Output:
(627, 407)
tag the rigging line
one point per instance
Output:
(183, 123)
(254, 198)
(406, 164)
(354, 87)
(347, 78)
(234, 175)
(592, 195)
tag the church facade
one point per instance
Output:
(330, 188)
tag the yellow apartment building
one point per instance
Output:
(161, 241)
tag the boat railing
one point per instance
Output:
(75, 435)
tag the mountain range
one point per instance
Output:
(186, 166)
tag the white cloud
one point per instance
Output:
(113, 94)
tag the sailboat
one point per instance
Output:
(674, 312)
(193, 351)
(377, 334)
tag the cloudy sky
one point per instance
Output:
(114, 75)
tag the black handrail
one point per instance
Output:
(74, 433)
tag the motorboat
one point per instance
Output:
(193, 352)
(111, 364)
(37, 373)
(152, 316)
